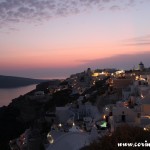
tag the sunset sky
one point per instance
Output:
(55, 38)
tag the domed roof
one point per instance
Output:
(70, 141)
(140, 63)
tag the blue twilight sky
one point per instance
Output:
(55, 38)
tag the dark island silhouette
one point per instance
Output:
(14, 82)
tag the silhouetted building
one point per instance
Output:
(141, 66)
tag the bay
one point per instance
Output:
(7, 94)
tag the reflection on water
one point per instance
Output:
(6, 95)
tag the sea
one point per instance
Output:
(7, 94)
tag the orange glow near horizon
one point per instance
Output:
(62, 58)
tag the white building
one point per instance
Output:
(146, 104)
(63, 114)
(89, 110)
(70, 141)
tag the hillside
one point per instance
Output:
(12, 82)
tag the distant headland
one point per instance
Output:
(14, 82)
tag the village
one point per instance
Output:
(100, 101)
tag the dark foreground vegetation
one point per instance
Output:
(123, 134)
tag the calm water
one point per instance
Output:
(6, 95)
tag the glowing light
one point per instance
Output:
(104, 117)
(120, 72)
(104, 124)
(96, 74)
(137, 78)
(142, 96)
(73, 124)
(50, 138)
(103, 72)
(60, 125)
(142, 79)
(106, 108)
